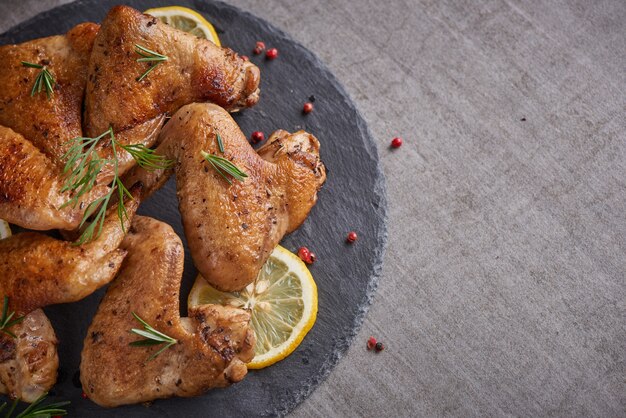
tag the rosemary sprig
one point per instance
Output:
(148, 55)
(146, 158)
(220, 144)
(7, 321)
(224, 167)
(82, 168)
(152, 337)
(44, 79)
(35, 410)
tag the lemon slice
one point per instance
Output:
(5, 229)
(282, 303)
(186, 20)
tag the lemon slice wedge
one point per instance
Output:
(282, 303)
(5, 229)
(187, 20)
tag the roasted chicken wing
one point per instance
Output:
(213, 343)
(30, 187)
(29, 363)
(37, 270)
(196, 70)
(49, 123)
(232, 228)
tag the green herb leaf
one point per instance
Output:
(224, 167)
(35, 410)
(152, 337)
(7, 321)
(146, 158)
(220, 144)
(43, 80)
(148, 55)
(83, 164)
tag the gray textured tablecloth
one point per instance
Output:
(504, 285)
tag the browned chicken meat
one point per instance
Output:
(37, 270)
(213, 343)
(29, 362)
(31, 186)
(49, 123)
(232, 228)
(196, 70)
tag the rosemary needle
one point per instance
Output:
(7, 321)
(224, 167)
(148, 55)
(83, 164)
(44, 79)
(152, 337)
(220, 144)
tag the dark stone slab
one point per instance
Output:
(352, 199)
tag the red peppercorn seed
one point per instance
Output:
(260, 45)
(84, 395)
(371, 343)
(379, 347)
(307, 108)
(245, 58)
(257, 136)
(304, 254)
(271, 53)
(312, 258)
(396, 142)
(351, 237)
(257, 50)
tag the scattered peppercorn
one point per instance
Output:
(312, 98)
(371, 343)
(260, 47)
(84, 395)
(306, 255)
(396, 142)
(307, 108)
(245, 58)
(523, 119)
(257, 136)
(271, 53)
(379, 347)
(352, 236)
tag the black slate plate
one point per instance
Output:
(352, 199)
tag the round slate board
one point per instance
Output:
(353, 198)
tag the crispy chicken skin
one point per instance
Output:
(48, 124)
(30, 187)
(232, 228)
(37, 270)
(29, 363)
(196, 71)
(214, 342)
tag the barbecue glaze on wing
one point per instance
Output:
(232, 228)
(214, 342)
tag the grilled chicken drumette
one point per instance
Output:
(37, 270)
(49, 123)
(213, 342)
(232, 228)
(28, 362)
(31, 186)
(196, 70)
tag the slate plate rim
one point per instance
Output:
(379, 187)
